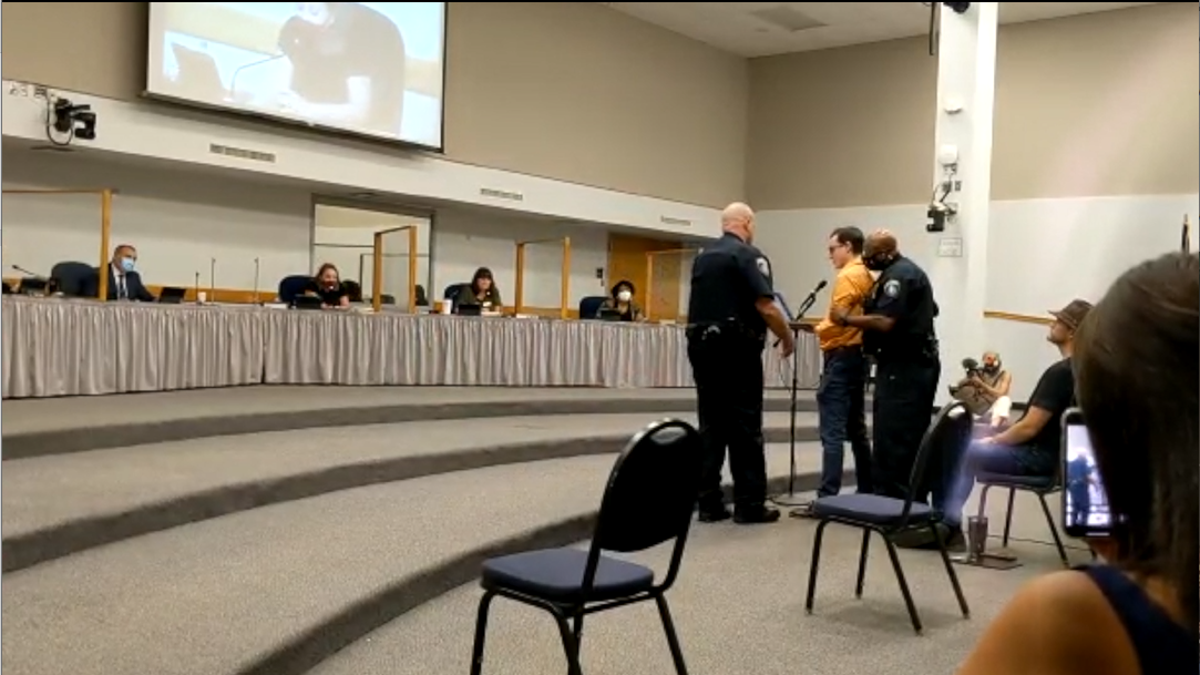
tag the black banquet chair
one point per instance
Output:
(649, 500)
(1041, 486)
(888, 516)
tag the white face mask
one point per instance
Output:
(624, 296)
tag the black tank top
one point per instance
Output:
(1162, 646)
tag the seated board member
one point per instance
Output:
(327, 285)
(124, 282)
(621, 303)
(481, 292)
(348, 65)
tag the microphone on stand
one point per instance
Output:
(196, 288)
(212, 281)
(789, 500)
(804, 306)
(232, 95)
(256, 268)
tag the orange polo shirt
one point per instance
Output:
(850, 290)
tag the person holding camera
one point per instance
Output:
(1139, 391)
(985, 388)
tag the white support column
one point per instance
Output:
(965, 99)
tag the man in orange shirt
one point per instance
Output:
(841, 394)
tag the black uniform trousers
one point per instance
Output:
(905, 389)
(728, 372)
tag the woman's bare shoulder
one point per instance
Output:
(1066, 627)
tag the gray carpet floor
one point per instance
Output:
(41, 492)
(53, 414)
(214, 596)
(739, 608)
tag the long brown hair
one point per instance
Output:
(1138, 378)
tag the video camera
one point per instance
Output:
(971, 366)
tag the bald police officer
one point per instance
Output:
(732, 305)
(897, 325)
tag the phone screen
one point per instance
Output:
(1085, 504)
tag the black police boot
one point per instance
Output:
(712, 507)
(753, 514)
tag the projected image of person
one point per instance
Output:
(347, 66)
(372, 68)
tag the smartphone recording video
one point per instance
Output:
(1085, 504)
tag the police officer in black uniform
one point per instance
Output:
(732, 305)
(897, 325)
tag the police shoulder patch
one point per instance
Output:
(892, 288)
(763, 266)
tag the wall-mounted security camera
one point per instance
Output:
(77, 121)
(938, 212)
(958, 7)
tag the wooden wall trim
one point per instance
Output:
(1019, 318)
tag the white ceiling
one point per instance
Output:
(746, 29)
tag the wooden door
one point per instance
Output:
(627, 261)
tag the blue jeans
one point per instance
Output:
(842, 407)
(1007, 460)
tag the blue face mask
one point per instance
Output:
(127, 264)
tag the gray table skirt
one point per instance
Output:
(55, 347)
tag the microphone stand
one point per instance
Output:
(790, 499)
(212, 281)
(256, 269)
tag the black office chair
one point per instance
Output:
(73, 279)
(889, 516)
(451, 292)
(649, 500)
(590, 306)
(292, 286)
(1042, 486)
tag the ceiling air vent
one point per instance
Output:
(787, 18)
(676, 222)
(502, 194)
(241, 153)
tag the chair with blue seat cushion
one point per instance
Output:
(649, 499)
(889, 516)
(1042, 486)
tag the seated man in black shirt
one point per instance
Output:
(328, 286)
(1031, 446)
(348, 67)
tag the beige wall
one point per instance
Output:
(566, 90)
(1094, 105)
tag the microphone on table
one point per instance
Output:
(809, 301)
(31, 273)
(256, 268)
(212, 280)
(196, 287)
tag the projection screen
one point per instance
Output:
(370, 68)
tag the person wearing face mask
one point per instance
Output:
(897, 325)
(730, 309)
(1031, 446)
(985, 390)
(124, 282)
(622, 303)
